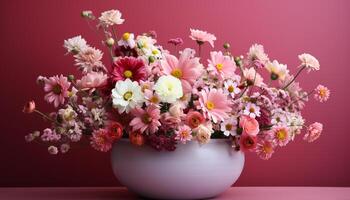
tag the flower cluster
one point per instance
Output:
(160, 99)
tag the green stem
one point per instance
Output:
(45, 116)
(300, 70)
(308, 94)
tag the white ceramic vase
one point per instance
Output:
(192, 171)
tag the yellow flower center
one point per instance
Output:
(177, 73)
(155, 52)
(219, 66)
(146, 119)
(185, 133)
(322, 92)
(252, 110)
(154, 99)
(230, 89)
(127, 74)
(228, 127)
(126, 36)
(267, 149)
(281, 134)
(210, 105)
(127, 95)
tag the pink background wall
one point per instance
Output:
(32, 34)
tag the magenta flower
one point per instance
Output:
(101, 140)
(129, 68)
(221, 65)
(214, 104)
(57, 88)
(313, 132)
(187, 68)
(176, 41)
(146, 120)
(280, 135)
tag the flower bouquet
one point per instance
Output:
(148, 98)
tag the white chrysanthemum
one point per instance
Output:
(111, 17)
(252, 110)
(229, 126)
(277, 70)
(295, 122)
(145, 42)
(75, 44)
(168, 88)
(256, 52)
(231, 88)
(127, 95)
(127, 40)
(278, 116)
(254, 78)
(310, 62)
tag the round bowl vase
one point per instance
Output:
(192, 171)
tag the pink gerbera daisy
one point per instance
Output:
(202, 36)
(280, 135)
(57, 88)
(265, 149)
(183, 134)
(101, 140)
(221, 65)
(214, 104)
(129, 68)
(322, 93)
(146, 119)
(187, 68)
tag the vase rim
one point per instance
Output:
(214, 140)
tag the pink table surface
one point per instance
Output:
(239, 193)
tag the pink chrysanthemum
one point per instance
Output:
(57, 88)
(101, 141)
(280, 135)
(322, 93)
(313, 132)
(92, 80)
(187, 68)
(129, 68)
(183, 134)
(221, 65)
(89, 60)
(146, 119)
(202, 36)
(214, 104)
(265, 149)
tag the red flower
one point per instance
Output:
(247, 142)
(136, 138)
(194, 119)
(115, 131)
(129, 67)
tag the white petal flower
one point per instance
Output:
(168, 88)
(256, 52)
(127, 95)
(251, 110)
(229, 126)
(110, 18)
(127, 40)
(231, 88)
(75, 44)
(310, 62)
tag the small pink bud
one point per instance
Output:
(29, 107)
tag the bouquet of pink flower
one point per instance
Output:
(158, 99)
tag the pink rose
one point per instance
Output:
(313, 132)
(249, 125)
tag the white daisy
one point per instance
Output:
(110, 18)
(310, 62)
(127, 95)
(75, 44)
(256, 52)
(278, 116)
(229, 126)
(127, 40)
(251, 110)
(231, 88)
(168, 88)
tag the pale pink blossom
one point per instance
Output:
(221, 65)
(249, 125)
(92, 80)
(57, 89)
(252, 77)
(50, 135)
(89, 60)
(202, 36)
(146, 120)
(265, 149)
(176, 41)
(183, 134)
(214, 104)
(256, 57)
(64, 148)
(52, 150)
(101, 141)
(187, 68)
(203, 133)
(322, 93)
(310, 62)
(111, 17)
(313, 132)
